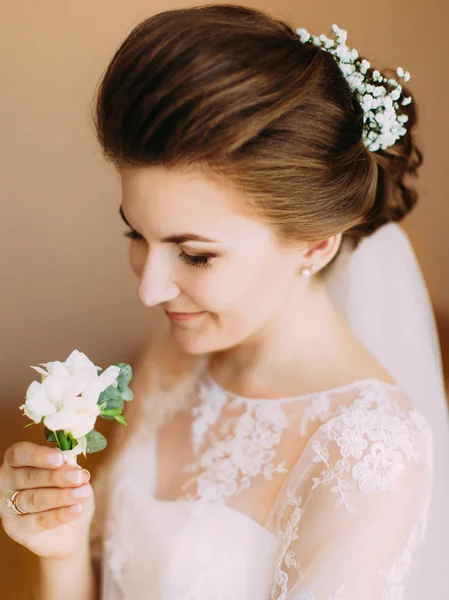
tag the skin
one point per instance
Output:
(50, 529)
(270, 331)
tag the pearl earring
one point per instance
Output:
(307, 271)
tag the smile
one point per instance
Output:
(178, 316)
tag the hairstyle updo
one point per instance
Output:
(233, 91)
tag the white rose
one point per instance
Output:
(67, 397)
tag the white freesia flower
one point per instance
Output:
(66, 399)
(77, 416)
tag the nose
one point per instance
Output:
(156, 284)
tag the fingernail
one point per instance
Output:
(88, 474)
(74, 476)
(55, 458)
(82, 492)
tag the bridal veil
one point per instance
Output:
(382, 293)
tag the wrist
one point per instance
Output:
(76, 556)
(70, 577)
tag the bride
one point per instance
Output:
(288, 435)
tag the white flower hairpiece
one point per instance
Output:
(382, 125)
(70, 397)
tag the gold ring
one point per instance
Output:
(12, 503)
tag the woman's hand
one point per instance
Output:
(54, 527)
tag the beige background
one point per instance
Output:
(64, 273)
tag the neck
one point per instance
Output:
(307, 346)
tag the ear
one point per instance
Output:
(321, 253)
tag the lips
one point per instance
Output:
(179, 316)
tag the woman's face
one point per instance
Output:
(241, 279)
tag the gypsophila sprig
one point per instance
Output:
(383, 123)
(70, 397)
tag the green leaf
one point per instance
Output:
(111, 411)
(124, 377)
(121, 419)
(110, 393)
(127, 394)
(115, 404)
(107, 417)
(49, 435)
(95, 442)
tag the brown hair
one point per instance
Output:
(233, 90)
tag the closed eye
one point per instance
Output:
(199, 260)
(133, 235)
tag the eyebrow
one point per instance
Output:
(175, 239)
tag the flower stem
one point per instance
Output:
(62, 440)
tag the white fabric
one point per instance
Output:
(319, 497)
(382, 292)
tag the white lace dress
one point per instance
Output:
(217, 497)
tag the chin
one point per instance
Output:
(190, 341)
(194, 343)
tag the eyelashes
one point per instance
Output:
(133, 235)
(195, 261)
(200, 261)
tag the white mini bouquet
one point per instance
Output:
(70, 397)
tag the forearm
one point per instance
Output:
(71, 578)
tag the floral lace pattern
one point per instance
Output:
(362, 446)
(245, 450)
(319, 410)
(374, 441)
(352, 430)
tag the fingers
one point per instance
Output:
(23, 478)
(28, 454)
(39, 500)
(49, 519)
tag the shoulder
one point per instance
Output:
(384, 414)
(357, 502)
(377, 443)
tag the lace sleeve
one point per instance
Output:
(354, 508)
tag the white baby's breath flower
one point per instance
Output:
(381, 122)
(303, 34)
(364, 66)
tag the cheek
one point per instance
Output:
(247, 292)
(240, 300)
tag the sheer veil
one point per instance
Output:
(382, 293)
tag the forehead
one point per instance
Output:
(166, 202)
(170, 188)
